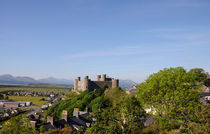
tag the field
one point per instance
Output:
(35, 100)
(38, 88)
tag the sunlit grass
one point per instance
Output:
(36, 100)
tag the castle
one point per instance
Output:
(91, 85)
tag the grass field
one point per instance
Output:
(35, 100)
(61, 91)
(38, 88)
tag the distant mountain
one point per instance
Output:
(9, 79)
(126, 83)
(52, 80)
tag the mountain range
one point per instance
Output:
(8, 79)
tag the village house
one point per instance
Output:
(78, 120)
(14, 104)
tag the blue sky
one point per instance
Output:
(124, 39)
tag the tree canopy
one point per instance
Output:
(17, 125)
(199, 74)
(172, 94)
(124, 114)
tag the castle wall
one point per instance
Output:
(99, 84)
(91, 85)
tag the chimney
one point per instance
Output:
(33, 124)
(98, 77)
(103, 78)
(65, 115)
(76, 112)
(86, 109)
(50, 120)
(86, 77)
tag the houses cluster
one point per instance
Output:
(8, 112)
(46, 105)
(132, 90)
(205, 91)
(30, 93)
(14, 104)
(52, 99)
(79, 119)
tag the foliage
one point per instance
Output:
(96, 104)
(201, 121)
(1, 96)
(36, 89)
(17, 125)
(199, 74)
(172, 93)
(152, 129)
(81, 101)
(114, 94)
(66, 130)
(124, 115)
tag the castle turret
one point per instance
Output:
(115, 83)
(98, 77)
(65, 115)
(103, 78)
(85, 83)
(50, 120)
(76, 84)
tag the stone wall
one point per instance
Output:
(91, 85)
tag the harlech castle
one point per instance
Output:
(91, 85)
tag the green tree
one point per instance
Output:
(1, 96)
(172, 94)
(199, 74)
(17, 125)
(122, 116)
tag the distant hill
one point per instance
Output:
(126, 83)
(9, 79)
(52, 80)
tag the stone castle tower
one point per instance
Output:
(101, 81)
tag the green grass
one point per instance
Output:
(61, 91)
(56, 88)
(35, 100)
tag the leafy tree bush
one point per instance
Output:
(81, 101)
(17, 125)
(199, 74)
(172, 94)
(124, 115)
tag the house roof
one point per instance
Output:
(48, 126)
(60, 123)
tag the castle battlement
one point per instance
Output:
(100, 82)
